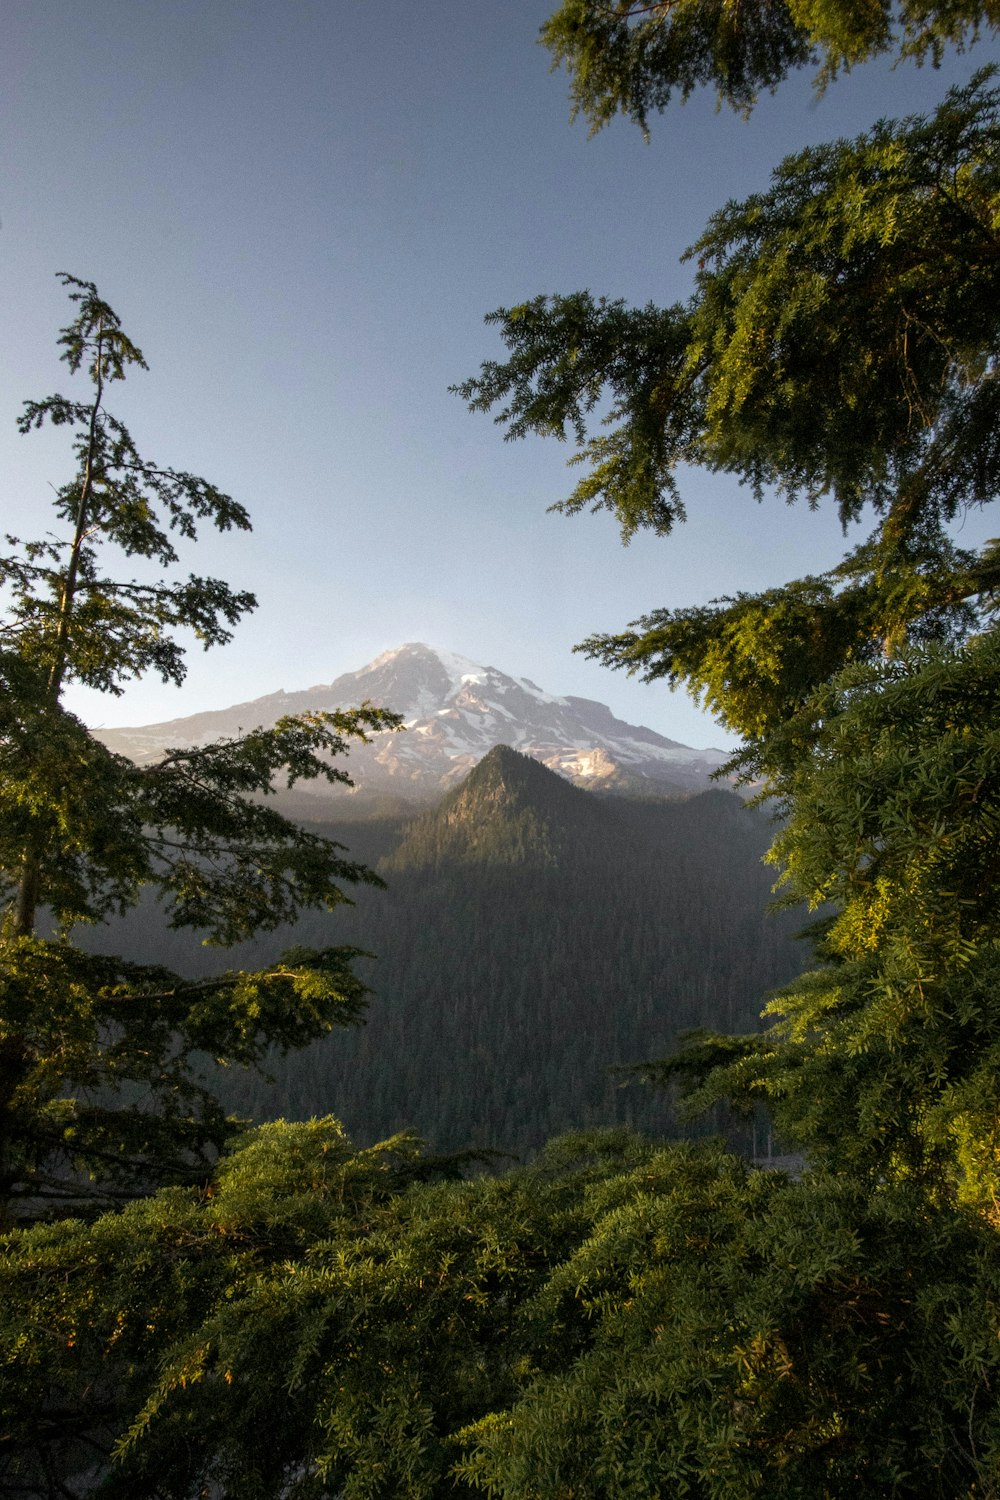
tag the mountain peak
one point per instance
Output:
(455, 712)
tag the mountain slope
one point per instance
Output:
(510, 977)
(531, 936)
(455, 711)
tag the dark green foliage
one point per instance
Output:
(886, 1059)
(840, 341)
(634, 56)
(840, 345)
(101, 1094)
(624, 1320)
(568, 356)
(195, 824)
(758, 660)
(620, 1320)
(66, 614)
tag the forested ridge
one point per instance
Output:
(193, 1309)
(532, 936)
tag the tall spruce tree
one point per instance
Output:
(841, 346)
(99, 1094)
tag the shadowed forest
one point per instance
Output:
(531, 938)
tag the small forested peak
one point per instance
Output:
(506, 777)
(510, 809)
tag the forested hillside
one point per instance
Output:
(531, 936)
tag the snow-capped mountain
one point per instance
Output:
(455, 711)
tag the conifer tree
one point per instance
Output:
(617, 1321)
(97, 1057)
(841, 347)
(636, 57)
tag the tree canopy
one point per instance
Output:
(618, 1320)
(840, 341)
(634, 57)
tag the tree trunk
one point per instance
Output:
(29, 880)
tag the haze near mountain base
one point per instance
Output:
(455, 711)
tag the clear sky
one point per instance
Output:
(302, 212)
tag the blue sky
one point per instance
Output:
(302, 212)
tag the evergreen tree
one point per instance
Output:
(97, 1057)
(634, 57)
(840, 345)
(618, 1321)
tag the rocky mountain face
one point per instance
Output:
(455, 711)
